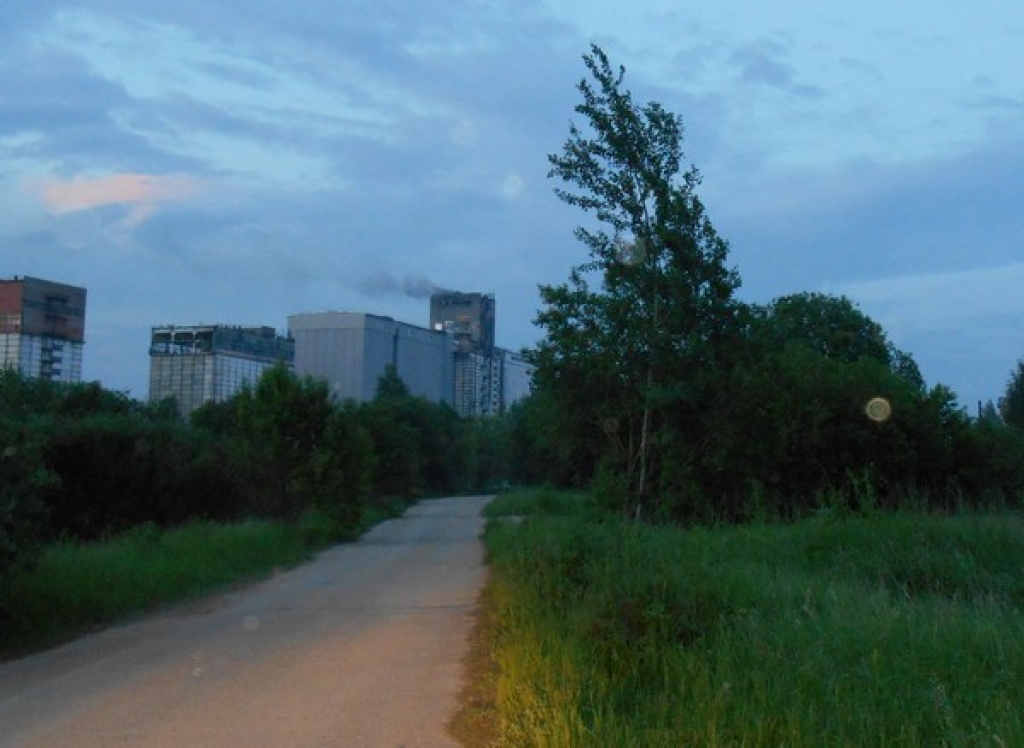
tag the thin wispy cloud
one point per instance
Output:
(972, 298)
(766, 62)
(143, 193)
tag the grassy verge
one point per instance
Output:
(886, 630)
(72, 588)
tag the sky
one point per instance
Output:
(236, 162)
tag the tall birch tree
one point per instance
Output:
(633, 337)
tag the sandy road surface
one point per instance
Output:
(360, 647)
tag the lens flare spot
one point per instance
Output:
(512, 186)
(878, 409)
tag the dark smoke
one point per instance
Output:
(382, 283)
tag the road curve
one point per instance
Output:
(360, 647)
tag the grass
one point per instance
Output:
(900, 629)
(72, 588)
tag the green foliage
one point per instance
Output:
(24, 478)
(116, 471)
(280, 432)
(391, 387)
(81, 463)
(23, 397)
(392, 420)
(1012, 404)
(794, 435)
(677, 403)
(342, 472)
(833, 328)
(423, 447)
(856, 631)
(536, 451)
(990, 463)
(830, 326)
(624, 363)
(795, 427)
(292, 448)
(546, 501)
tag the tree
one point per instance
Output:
(795, 433)
(831, 326)
(1012, 404)
(341, 471)
(419, 445)
(282, 428)
(834, 328)
(396, 442)
(629, 363)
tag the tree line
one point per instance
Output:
(675, 400)
(80, 462)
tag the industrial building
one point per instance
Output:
(487, 379)
(469, 317)
(42, 328)
(455, 361)
(210, 363)
(516, 378)
(477, 384)
(352, 350)
(486, 385)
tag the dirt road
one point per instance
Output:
(360, 647)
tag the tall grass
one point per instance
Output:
(887, 630)
(73, 587)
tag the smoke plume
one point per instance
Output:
(386, 284)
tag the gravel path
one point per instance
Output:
(360, 647)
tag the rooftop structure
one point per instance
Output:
(468, 316)
(203, 363)
(42, 328)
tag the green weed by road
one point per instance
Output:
(74, 587)
(883, 630)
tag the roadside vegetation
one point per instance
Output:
(73, 587)
(109, 507)
(839, 629)
(786, 536)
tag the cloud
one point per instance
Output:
(142, 193)
(932, 302)
(866, 219)
(93, 211)
(765, 62)
(963, 324)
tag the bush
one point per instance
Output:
(118, 471)
(24, 478)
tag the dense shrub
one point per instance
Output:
(118, 471)
(81, 462)
(24, 478)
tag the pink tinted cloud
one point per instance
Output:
(141, 193)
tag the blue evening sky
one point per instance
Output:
(236, 162)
